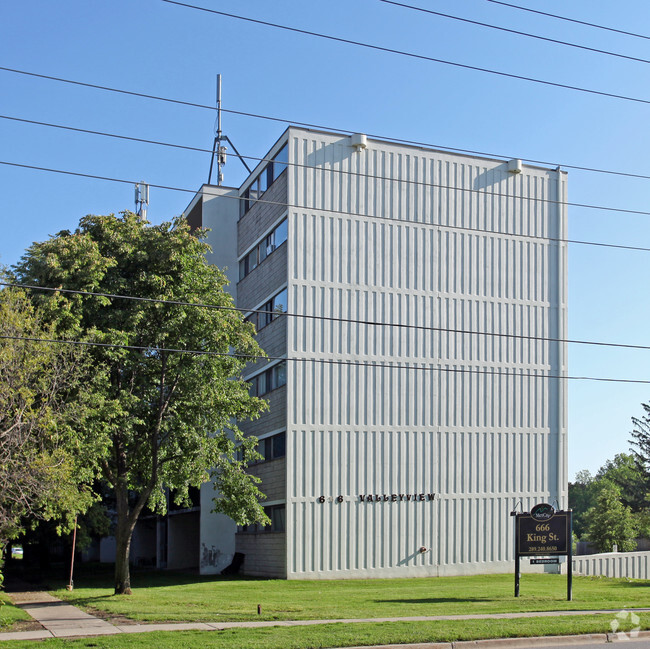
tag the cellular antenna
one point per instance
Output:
(217, 148)
(141, 199)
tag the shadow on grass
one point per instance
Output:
(433, 600)
(87, 601)
(101, 576)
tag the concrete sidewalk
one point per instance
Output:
(61, 620)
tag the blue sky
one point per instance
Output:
(156, 48)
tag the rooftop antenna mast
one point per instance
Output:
(217, 148)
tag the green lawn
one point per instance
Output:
(338, 635)
(9, 614)
(164, 596)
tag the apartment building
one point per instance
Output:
(410, 301)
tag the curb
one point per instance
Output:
(515, 643)
(491, 643)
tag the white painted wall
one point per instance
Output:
(364, 247)
(220, 215)
(217, 540)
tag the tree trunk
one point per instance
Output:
(123, 534)
(122, 568)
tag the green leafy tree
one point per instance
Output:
(623, 472)
(167, 417)
(641, 446)
(582, 496)
(44, 465)
(626, 473)
(610, 522)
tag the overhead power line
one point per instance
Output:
(339, 171)
(327, 318)
(443, 226)
(604, 208)
(322, 127)
(478, 23)
(570, 20)
(413, 55)
(328, 361)
(115, 135)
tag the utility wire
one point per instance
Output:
(309, 125)
(570, 20)
(516, 31)
(339, 171)
(116, 136)
(372, 323)
(326, 361)
(329, 170)
(413, 55)
(388, 218)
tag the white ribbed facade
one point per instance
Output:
(451, 385)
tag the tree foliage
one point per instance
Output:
(625, 474)
(641, 446)
(582, 496)
(44, 465)
(166, 417)
(610, 522)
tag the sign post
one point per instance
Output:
(569, 574)
(544, 532)
(517, 565)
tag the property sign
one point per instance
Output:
(548, 536)
(543, 532)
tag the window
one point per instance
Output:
(264, 180)
(279, 445)
(273, 378)
(278, 375)
(277, 514)
(280, 234)
(273, 447)
(270, 448)
(262, 250)
(244, 203)
(270, 310)
(253, 191)
(279, 163)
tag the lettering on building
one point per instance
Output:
(376, 498)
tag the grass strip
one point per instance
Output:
(160, 597)
(341, 635)
(10, 614)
